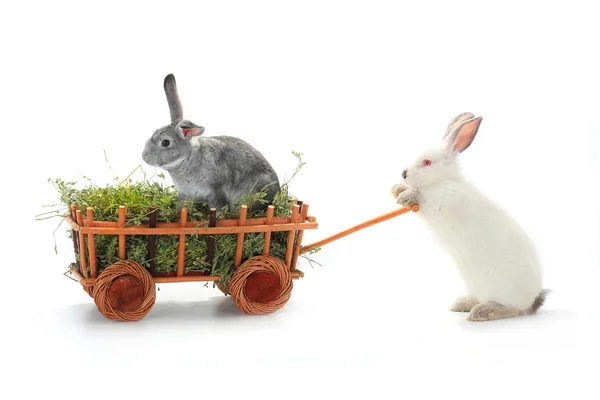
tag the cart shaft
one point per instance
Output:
(366, 224)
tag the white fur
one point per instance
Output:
(494, 256)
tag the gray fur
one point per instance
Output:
(217, 170)
(539, 301)
(173, 100)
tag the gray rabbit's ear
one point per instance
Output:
(457, 120)
(463, 135)
(188, 129)
(173, 99)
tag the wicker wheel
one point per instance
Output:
(262, 285)
(124, 291)
(89, 290)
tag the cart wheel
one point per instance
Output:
(262, 285)
(124, 291)
(89, 290)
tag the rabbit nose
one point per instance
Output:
(404, 174)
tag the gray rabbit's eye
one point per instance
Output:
(165, 143)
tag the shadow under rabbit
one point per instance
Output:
(538, 320)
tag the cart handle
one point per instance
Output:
(366, 224)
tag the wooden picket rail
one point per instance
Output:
(181, 251)
(83, 259)
(151, 241)
(212, 222)
(122, 222)
(240, 239)
(291, 235)
(298, 246)
(268, 221)
(91, 246)
(295, 225)
(189, 224)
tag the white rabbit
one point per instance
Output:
(494, 256)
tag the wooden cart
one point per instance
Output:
(260, 284)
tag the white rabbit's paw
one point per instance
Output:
(407, 198)
(490, 311)
(464, 304)
(397, 189)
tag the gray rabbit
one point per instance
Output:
(217, 170)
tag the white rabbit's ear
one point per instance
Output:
(173, 99)
(457, 120)
(463, 135)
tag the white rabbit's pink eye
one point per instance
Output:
(426, 163)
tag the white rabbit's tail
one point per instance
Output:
(537, 303)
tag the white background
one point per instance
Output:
(358, 88)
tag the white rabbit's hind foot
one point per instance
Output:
(464, 304)
(490, 311)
